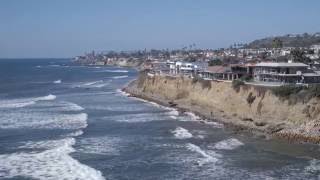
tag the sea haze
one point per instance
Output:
(64, 121)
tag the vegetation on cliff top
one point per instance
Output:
(204, 83)
(236, 84)
(296, 94)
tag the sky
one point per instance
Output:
(66, 28)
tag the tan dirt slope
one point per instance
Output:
(250, 108)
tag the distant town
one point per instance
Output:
(273, 61)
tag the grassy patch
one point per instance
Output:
(236, 84)
(296, 94)
(286, 91)
(204, 83)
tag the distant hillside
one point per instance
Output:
(289, 40)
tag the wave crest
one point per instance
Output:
(181, 133)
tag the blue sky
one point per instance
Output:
(65, 28)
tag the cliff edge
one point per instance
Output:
(249, 108)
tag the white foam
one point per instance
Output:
(114, 71)
(228, 144)
(13, 104)
(40, 120)
(181, 133)
(173, 117)
(54, 65)
(23, 102)
(73, 107)
(57, 81)
(50, 97)
(119, 77)
(103, 145)
(214, 124)
(313, 167)
(207, 158)
(192, 116)
(54, 163)
(173, 113)
(93, 84)
(119, 91)
(100, 85)
(47, 145)
(75, 134)
(137, 118)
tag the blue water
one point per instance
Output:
(63, 121)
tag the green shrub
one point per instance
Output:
(236, 84)
(205, 84)
(246, 78)
(296, 94)
(250, 98)
(314, 91)
(286, 91)
(196, 79)
(215, 62)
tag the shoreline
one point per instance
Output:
(236, 125)
(205, 117)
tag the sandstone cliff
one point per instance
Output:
(251, 108)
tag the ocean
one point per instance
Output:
(60, 120)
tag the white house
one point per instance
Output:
(316, 48)
(284, 73)
(182, 67)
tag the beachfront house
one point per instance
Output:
(160, 67)
(284, 73)
(224, 72)
(184, 68)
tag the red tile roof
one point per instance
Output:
(218, 69)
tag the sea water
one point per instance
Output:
(59, 120)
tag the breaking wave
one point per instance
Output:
(93, 84)
(104, 145)
(52, 163)
(72, 107)
(228, 144)
(57, 81)
(74, 134)
(181, 133)
(192, 117)
(40, 120)
(13, 104)
(50, 97)
(114, 71)
(213, 123)
(18, 103)
(54, 65)
(119, 91)
(211, 157)
(119, 77)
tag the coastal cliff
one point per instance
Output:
(125, 63)
(248, 108)
(121, 62)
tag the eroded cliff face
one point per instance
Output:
(251, 107)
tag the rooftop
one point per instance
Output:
(271, 64)
(218, 69)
